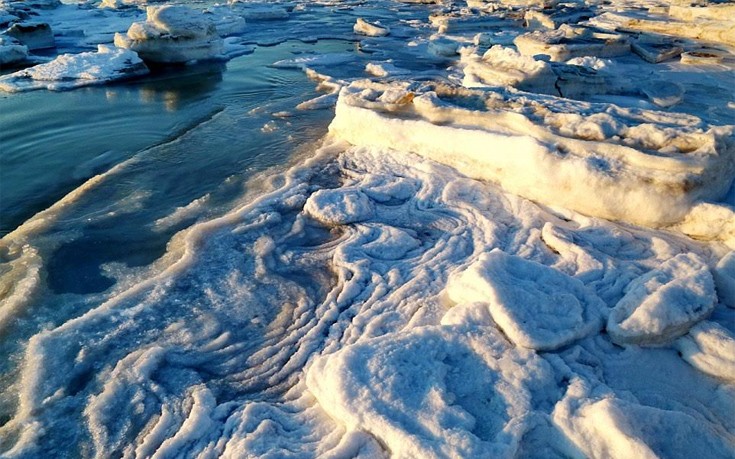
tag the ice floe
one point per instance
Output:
(69, 71)
(710, 348)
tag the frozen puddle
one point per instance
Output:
(516, 240)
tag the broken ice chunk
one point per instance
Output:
(724, 274)
(710, 348)
(655, 52)
(172, 34)
(340, 206)
(664, 303)
(11, 51)
(74, 70)
(536, 306)
(363, 27)
(568, 42)
(34, 35)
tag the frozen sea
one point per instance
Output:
(369, 229)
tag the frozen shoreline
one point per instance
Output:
(454, 272)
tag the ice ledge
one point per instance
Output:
(640, 166)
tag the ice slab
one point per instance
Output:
(12, 51)
(69, 71)
(724, 274)
(603, 425)
(339, 207)
(172, 34)
(664, 303)
(433, 392)
(640, 166)
(568, 42)
(536, 306)
(710, 348)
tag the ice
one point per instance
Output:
(69, 71)
(443, 392)
(724, 275)
(34, 35)
(11, 51)
(664, 303)
(536, 306)
(433, 278)
(710, 348)
(339, 207)
(363, 27)
(568, 42)
(651, 168)
(172, 34)
(602, 425)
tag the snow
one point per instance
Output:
(536, 306)
(69, 71)
(664, 303)
(339, 207)
(172, 34)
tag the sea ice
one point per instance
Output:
(363, 27)
(11, 51)
(640, 166)
(433, 392)
(68, 71)
(710, 348)
(536, 306)
(664, 303)
(724, 275)
(172, 34)
(600, 424)
(34, 35)
(339, 207)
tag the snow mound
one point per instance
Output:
(606, 426)
(710, 348)
(432, 392)
(74, 70)
(640, 166)
(339, 207)
(536, 306)
(664, 303)
(172, 34)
